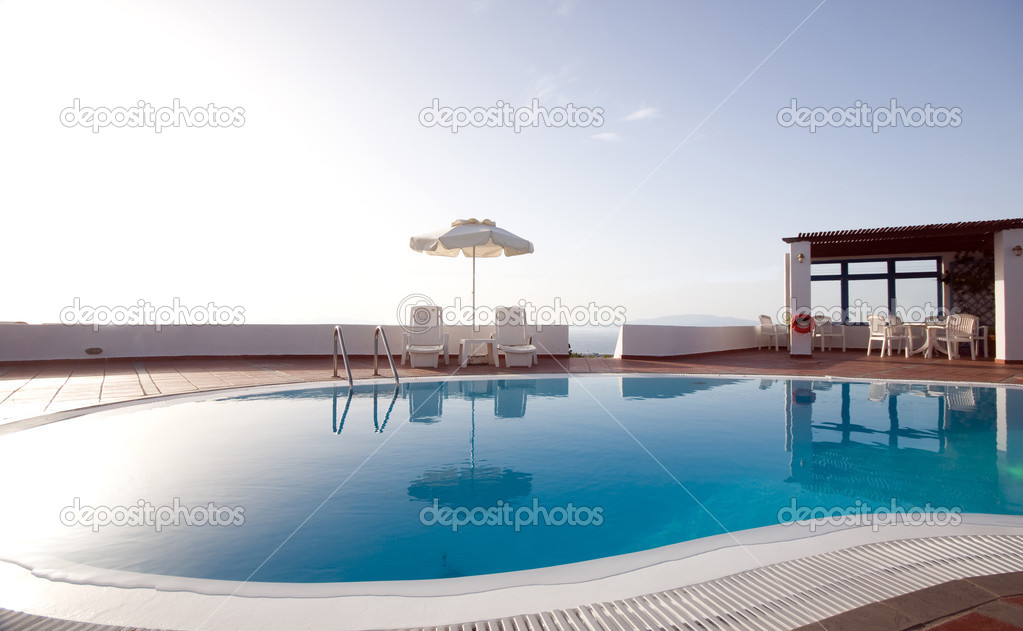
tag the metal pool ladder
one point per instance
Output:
(377, 334)
(338, 337)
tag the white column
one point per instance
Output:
(799, 298)
(786, 265)
(1008, 296)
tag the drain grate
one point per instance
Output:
(16, 621)
(788, 594)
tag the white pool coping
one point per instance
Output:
(181, 603)
(62, 590)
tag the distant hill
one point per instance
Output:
(695, 319)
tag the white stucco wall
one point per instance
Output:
(1008, 296)
(639, 340)
(25, 342)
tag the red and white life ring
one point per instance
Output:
(802, 323)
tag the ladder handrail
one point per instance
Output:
(377, 334)
(338, 336)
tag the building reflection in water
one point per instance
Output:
(906, 441)
(872, 441)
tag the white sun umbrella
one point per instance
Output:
(473, 238)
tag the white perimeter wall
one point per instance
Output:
(639, 340)
(24, 342)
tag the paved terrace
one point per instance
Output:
(37, 388)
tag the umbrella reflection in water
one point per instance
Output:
(453, 485)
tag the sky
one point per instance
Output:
(299, 207)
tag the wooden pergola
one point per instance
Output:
(1001, 237)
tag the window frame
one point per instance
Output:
(891, 276)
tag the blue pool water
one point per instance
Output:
(336, 488)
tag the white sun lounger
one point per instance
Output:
(511, 338)
(425, 340)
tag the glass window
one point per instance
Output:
(867, 297)
(826, 298)
(927, 265)
(825, 269)
(868, 267)
(916, 298)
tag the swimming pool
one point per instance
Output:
(309, 485)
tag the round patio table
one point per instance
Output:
(930, 343)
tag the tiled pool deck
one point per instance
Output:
(32, 389)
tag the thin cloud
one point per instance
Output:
(544, 87)
(564, 7)
(642, 113)
(607, 136)
(554, 87)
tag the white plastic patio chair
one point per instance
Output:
(768, 330)
(961, 328)
(897, 331)
(425, 340)
(824, 328)
(511, 339)
(889, 332)
(878, 332)
(980, 335)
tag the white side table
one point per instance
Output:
(468, 345)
